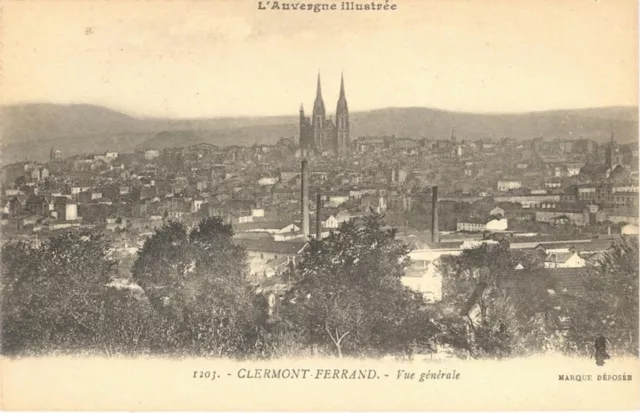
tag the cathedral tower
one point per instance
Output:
(343, 143)
(318, 119)
(319, 134)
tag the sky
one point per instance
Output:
(208, 58)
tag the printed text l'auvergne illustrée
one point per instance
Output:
(317, 7)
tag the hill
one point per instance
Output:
(594, 124)
(89, 128)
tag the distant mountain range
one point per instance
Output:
(30, 130)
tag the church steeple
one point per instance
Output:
(342, 99)
(318, 119)
(318, 105)
(343, 142)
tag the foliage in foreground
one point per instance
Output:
(498, 311)
(345, 299)
(347, 296)
(609, 305)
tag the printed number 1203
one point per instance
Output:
(209, 375)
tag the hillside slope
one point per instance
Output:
(87, 128)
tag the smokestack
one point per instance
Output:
(318, 207)
(304, 189)
(434, 215)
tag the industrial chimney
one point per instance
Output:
(318, 207)
(435, 238)
(304, 189)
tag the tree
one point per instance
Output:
(609, 304)
(162, 262)
(491, 311)
(198, 282)
(53, 294)
(347, 296)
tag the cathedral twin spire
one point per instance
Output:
(318, 105)
(321, 134)
(342, 99)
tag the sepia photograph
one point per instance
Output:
(333, 205)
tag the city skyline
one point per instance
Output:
(227, 59)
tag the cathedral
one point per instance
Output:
(320, 134)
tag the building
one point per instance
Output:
(504, 186)
(268, 258)
(268, 180)
(288, 176)
(375, 144)
(321, 134)
(55, 156)
(589, 215)
(66, 209)
(482, 224)
(39, 173)
(17, 204)
(151, 154)
(630, 229)
(625, 199)
(328, 221)
(497, 212)
(39, 205)
(564, 259)
(424, 277)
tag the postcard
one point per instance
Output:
(319, 205)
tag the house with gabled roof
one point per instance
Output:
(570, 259)
(17, 204)
(267, 257)
(39, 205)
